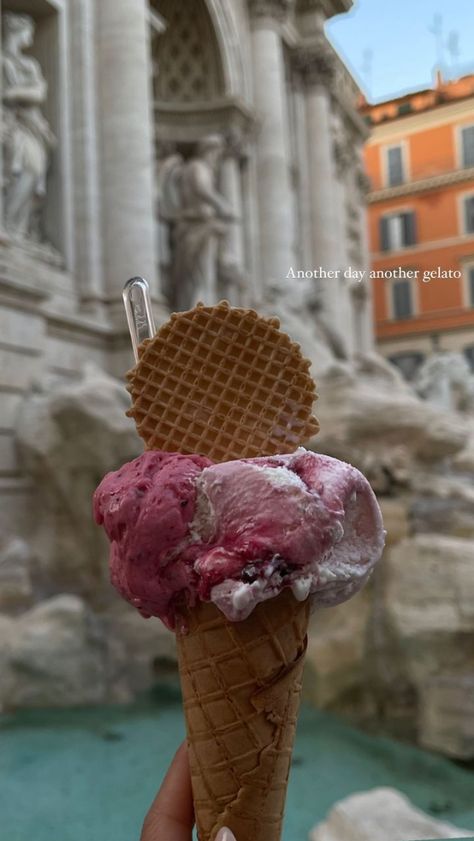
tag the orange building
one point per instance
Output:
(420, 161)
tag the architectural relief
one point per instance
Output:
(316, 63)
(343, 146)
(27, 136)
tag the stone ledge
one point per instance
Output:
(422, 185)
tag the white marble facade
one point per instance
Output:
(150, 138)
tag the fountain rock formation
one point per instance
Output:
(399, 654)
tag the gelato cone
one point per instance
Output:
(241, 684)
(230, 532)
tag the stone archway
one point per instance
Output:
(236, 69)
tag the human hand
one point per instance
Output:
(171, 816)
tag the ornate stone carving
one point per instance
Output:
(343, 146)
(187, 64)
(27, 137)
(311, 6)
(316, 64)
(236, 142)
(278, 9)
(362, 180)
(445, 380)
(199, 218)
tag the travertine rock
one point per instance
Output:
(56, 656)
(443, 504)
(149, 648)
(463, 461)
(16, 589)
(69, 436)
(7, 625)
(395, 517)
(430, 587)
(336, 651)
(369, 416)
(446, 714)
(379, 814)
(428, 604)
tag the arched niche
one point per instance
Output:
(48, 49)
(198, 77)
(188, 65)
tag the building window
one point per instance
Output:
(407, 363)
(397, 231)
(402, 299)
(467, 146)
(395, 173)
(469, 215)
(469, 354)
(470, 286)
(404, 108)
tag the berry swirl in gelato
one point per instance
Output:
(237, 533)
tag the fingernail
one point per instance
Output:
(225, 834)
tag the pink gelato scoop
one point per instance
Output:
(182, 529)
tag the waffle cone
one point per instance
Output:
(241, 684)
(223, 382)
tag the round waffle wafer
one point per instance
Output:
(222, 382)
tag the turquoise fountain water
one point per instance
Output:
(72, 775)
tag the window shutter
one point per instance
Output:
(402, 302)
(395, 166)
(468, 146)
(471, 287)
(409, 228)
(384, 237)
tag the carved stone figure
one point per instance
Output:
(446, 381)
(301, 312)
(199, 217)
(27, 137)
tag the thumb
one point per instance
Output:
(225, 834)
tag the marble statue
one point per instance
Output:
(445, 380)
(199, 217)
(27, 137)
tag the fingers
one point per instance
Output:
(171, 816)
(225, 834)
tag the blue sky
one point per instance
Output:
(388, 45)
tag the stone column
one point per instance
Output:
(3, 235)
(127, 159)
(315, 64)
(365, 333)
(232, 189)
(273, 185)
(87, 227)
(342, 155)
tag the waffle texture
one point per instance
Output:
(241, 684)
(222, 382)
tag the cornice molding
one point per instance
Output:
(422, 185)
(275, 9)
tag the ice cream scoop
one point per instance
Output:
(183, 530)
